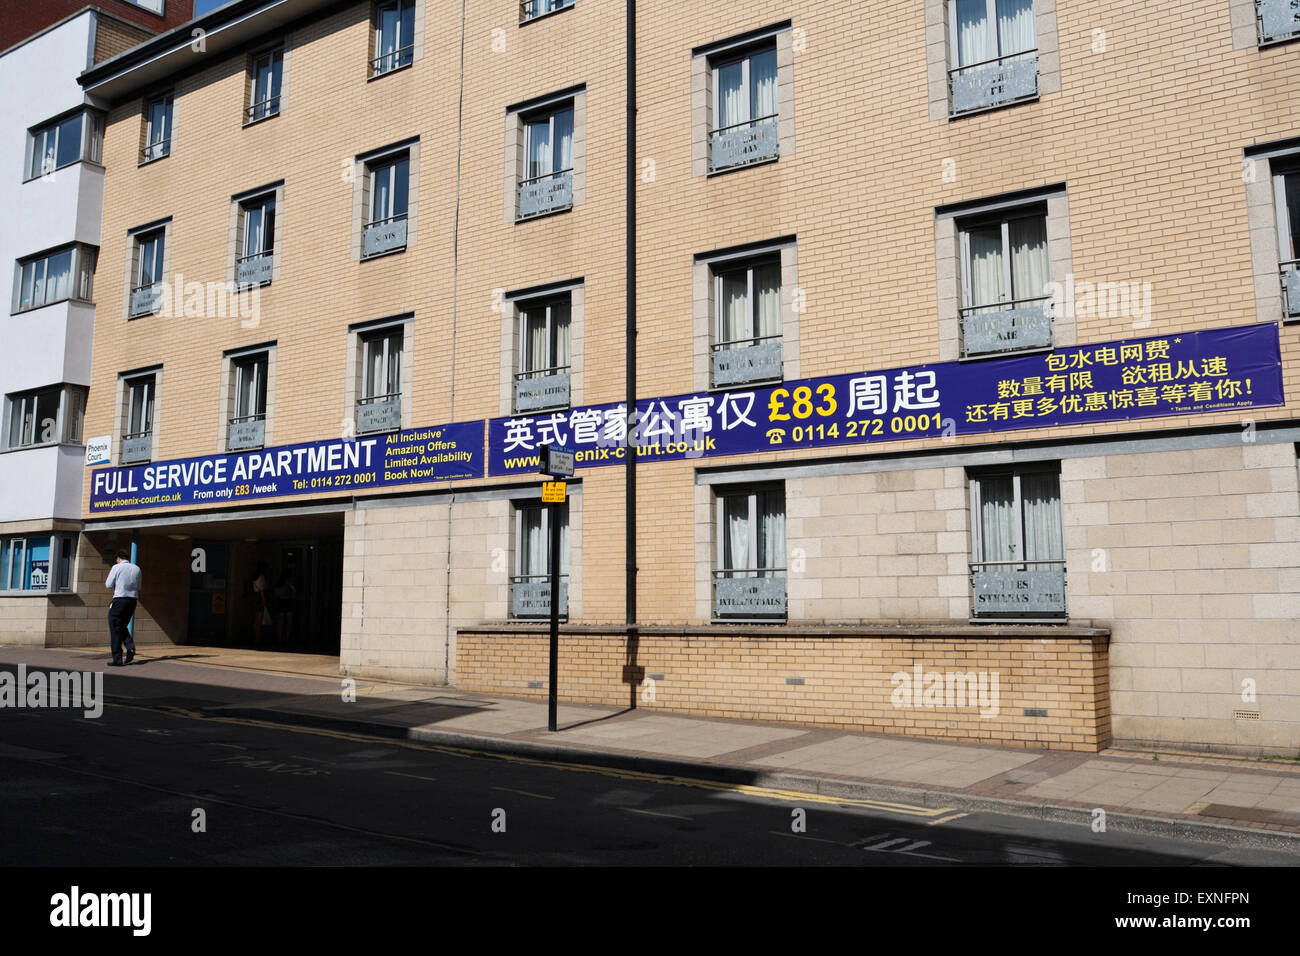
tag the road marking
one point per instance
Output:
(539, 796)
(717, 786)
(231, 746)
(413, 776)
(955, 816)
(655, 813)
(312, 759)
(891, 846)
(804, 836)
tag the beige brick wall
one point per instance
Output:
(844, 681)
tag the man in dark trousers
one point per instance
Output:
(124, 579)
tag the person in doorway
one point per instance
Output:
(285, 594)
(261, 610)
(124, 579)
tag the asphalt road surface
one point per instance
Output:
(132, 787)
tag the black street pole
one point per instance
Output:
(552, 703)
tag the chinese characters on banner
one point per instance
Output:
(1188, 373)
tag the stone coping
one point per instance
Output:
(955, 630)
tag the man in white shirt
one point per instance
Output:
(124, 579)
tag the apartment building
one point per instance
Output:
(959, 333)
(52, 191)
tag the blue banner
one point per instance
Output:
(1188, 373)
(441, 453)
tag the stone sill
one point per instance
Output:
(956, 629)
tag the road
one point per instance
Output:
(132, 787)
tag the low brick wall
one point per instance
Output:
(1020, 686)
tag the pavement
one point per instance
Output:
(1231, 801)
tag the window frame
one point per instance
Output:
(521, 509)
(549, 113)
(753, 493)
(149, 381)
(526, 307)
(81, 276)
(258, 204)
(955, 66)
(743, 56)
(63, 549)
(1288, 232)
(376, 38)
(257, 364)
(156, 149)
(68, 417)
(275, 67)
(720, 270)
(366, 340)
(90, 142)
(1019, 562)
(553, 6)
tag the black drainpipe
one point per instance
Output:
(629, 505)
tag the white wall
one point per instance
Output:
(52, 344)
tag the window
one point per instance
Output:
(1279, 20)
(532, 9)
(67, 273)
(247, 426)
(530, 588)
(255, 265)
(994, 53)
(147, 278)
(547, 184)
(1018, 562)
(46, 416)
(543, 376)
(264, 89)
(388, 182)
(1286, 192)
(1005, 275)
(137, 431)
(37, 562)
(394, 37)
(379, 409)
(745, 113)
(64, 142)
(157, 128)
(749, 580)
(747, 333)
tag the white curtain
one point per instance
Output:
(733, 307)
(974, 38)
(253, 231)
(563, 158)
(382, 198)
(532, 547)
(1291, 188)
(560, 334)
(1016, 32)
(985, 264)
(730, 84)
(762, 82)
(767, 290)
(534, 340)
(997, 519)
(1028, 239)
(735, 532)
(1042, 517)
(539, 149)
(564, 539)
(772, 530)
(393, 379)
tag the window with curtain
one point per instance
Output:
(389, 182)
(157, 127)
(1286, 186)
(67, 141)
(150, 253)
(63, 274)
(264, 90)
(548, 143)
(751, 532)
(532, 9)
(544, 335)
(747, 302)
(1018, 519)
(259, 226)
(250, 387)
(1005, 261)
(46, 416)
(394, 36)
(744, 88)
(139, 406)
(382, 363)
(987, 29)
(533, 558)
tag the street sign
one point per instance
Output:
(556, 460)
(553, 492)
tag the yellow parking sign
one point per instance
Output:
(553, 492)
